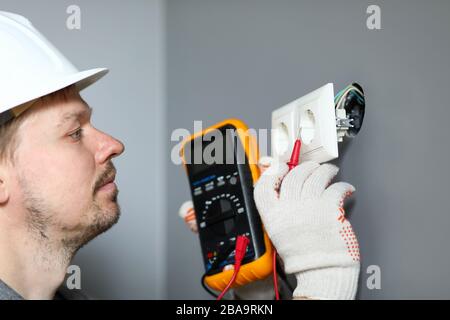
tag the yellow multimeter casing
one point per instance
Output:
(222, 194)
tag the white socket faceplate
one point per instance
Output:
(315, 114)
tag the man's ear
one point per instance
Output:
(4, 184)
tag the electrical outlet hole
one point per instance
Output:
(307, 125)
(281, 138)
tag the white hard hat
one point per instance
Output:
(31, 67)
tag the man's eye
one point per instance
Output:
(77, 134)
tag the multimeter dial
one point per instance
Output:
(222, 207)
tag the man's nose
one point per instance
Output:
(108, 148)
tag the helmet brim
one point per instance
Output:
(81, 80)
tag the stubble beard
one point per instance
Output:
(42, 222)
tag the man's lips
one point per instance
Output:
(108, 184)
(108, 187)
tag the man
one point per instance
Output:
(57, 188)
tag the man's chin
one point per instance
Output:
(104, 219)
(107, 218)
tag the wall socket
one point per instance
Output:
(315, 115)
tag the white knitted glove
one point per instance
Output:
(306, 223)
(256, 290)
(187, 213)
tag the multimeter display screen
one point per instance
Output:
(222, 192)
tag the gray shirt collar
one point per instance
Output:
(7, 293)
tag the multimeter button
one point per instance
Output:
(233, 180)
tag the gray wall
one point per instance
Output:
(128, 104)
(245, 58)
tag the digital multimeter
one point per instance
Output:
(221, 164)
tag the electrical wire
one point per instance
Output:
(342, 95)
(241, 248)
(275, 276)
(207, 289)
(221, 257)
(283, 277)
(230, 283)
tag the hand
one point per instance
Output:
(306, 222)
(187, 213)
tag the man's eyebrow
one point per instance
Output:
(85, 113)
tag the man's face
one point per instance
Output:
(63, 174)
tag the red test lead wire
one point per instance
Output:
(275, 275)
(241, 248)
